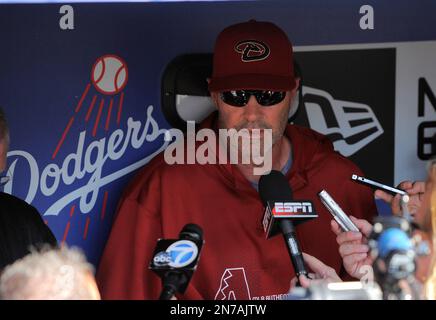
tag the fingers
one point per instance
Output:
(304, 281)
(349, 249)
(314, 264)
(415, 190)
(379, 194)
(410, 187)
(396, 204)
(294, 282)
(335, 227)
(413, 187)
(349, 237)
(414, 204)
(319, 268)
(388, 198)
(364, 226)
(351, 262)
(404, 185)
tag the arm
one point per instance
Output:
(353, 246)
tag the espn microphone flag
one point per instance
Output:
(281, 211)
(276, 195)
(298, 210)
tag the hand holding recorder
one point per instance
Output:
(415, 190)
(393, 196)
(353, 246)
(338, 214)
(351, 234)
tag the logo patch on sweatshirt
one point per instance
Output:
(233, 285)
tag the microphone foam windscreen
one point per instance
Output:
(191, 230)
(274, 187)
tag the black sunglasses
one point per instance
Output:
(239, 98)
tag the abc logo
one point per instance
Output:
(162, 259)
(182, 253)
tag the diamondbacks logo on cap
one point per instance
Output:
(252, 50)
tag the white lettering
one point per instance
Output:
(52, 171)
(34, 174)
(94, 158)
(293, 207)
(367, 20)
(67, 20)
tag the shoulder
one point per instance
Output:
(306, 133)
(150, 178)
(13, 203)
(317, 151)
(15, 212)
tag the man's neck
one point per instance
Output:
(281, 151)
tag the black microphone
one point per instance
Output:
(281, 212)
(175, 260)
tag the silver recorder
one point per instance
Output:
(377, 185)
(338, 214)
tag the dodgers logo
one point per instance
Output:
(182, 253)
(93, 150)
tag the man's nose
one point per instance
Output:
(253, 110)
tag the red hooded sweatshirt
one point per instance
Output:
(237, 261)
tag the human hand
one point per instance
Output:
(320, 272)
(415, 190)
(353, 246)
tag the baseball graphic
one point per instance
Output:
(109, 74)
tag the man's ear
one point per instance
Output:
(297, 84)
(294, 91)
(214, 97)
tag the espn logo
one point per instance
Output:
(292, 207)
(299, 211)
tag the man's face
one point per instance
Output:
(423, 218)
(424, 213)
(3, 152)
(255, 116)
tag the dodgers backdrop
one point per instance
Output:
(90, 88)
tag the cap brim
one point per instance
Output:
(252, 82)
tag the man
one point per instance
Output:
(252, 86)
(21, 225)
(55, 274)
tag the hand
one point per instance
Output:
(415, 190)
(353, 246)
(321, 272)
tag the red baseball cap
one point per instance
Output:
(252, 55)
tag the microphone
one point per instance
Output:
(281, 212)
(175, 260)
(395, 250)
